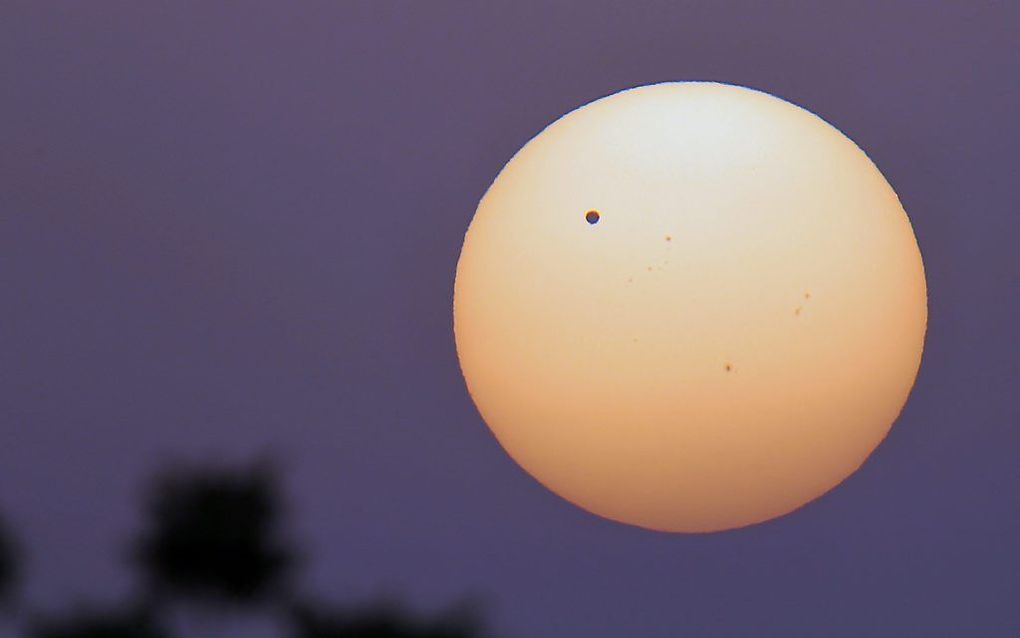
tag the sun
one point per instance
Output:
(690, 307)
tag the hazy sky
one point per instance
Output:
(229, 229)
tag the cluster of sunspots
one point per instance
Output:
(799, 309)
(729, 367)
(593, 217)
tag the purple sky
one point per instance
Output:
(232, 228)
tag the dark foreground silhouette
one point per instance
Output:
(8, 564)
(214, 537)
(383, 621)
(214, 541)
(99, 624)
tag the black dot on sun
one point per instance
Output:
(592, 217)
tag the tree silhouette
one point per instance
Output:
(92, 624)
(214, 537)
(383, 621)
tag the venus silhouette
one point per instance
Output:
(690, 307)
